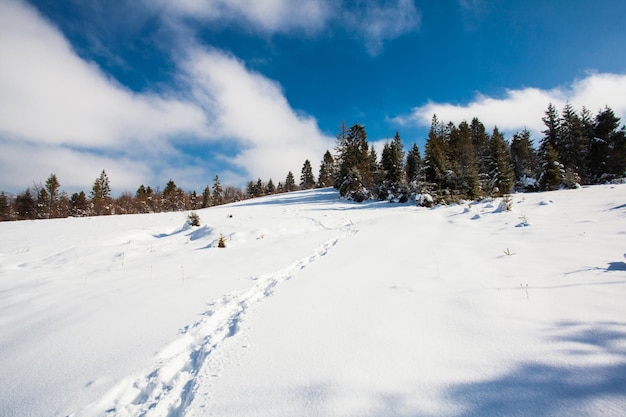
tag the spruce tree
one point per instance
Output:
(270, 188)
(413, 165)
(206, 197)
(525, 161)
(435, 158)
(5, 212)
(290, 182)
(355, 179)
(501, 172)
(307, 180)
(326, 175)
(552, 171)
(573, 144)
(552, 132)
(218, 196)
(101, 194)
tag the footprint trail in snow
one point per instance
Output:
(169, 387)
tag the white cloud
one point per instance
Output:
(61, 114)
(374, 23)
(524, 108)
(250, 109)
(48, 94)
(267, 16)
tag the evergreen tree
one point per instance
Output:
(413, 166)
(553, 129)
(552, 171)
(307, 180)
(391, 162)
(326, 175)
(206, 197)
(573, 151)
(462, 157)
(52, 186)
(101, 194)
(502, 175)
(290, 183)
(5, 211)
(607, 154)
(270, 188)
(217, 191)
(251, 189)
(42, 206)
(525, 161)
(78, 204)
(25, 206)
(355, 177)
(435, 158)
(481, 142)
(259, 188)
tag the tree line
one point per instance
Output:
(46, 201)
(460, 162)
(465, 162)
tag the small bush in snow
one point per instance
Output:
(221, 243)
(193, 219)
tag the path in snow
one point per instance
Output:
(169, 387)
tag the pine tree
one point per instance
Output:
(52, 186)
(25, 206)
(573, 144)
(552, 171)
(307, 180)
(435, 158)
(327, 171)
(355, 179)
(5, 211)
(413, 166)
(78, 204)
(290, 182)
(206, 197)
(608, 153)
(270, 188)
(259, 188)
(462, 157)
(101, 194)
(391, 162)
(502, 175)
(217, 191)
(525, 161)
(552, 122)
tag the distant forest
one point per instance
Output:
(460, 162)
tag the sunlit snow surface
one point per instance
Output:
(320, 307)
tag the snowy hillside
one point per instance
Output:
(320, 307)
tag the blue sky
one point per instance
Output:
(152, 90)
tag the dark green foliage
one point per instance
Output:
(290, 183)
(5, 208)
(552, 171)
(270, 188)
(193, 219)
(435, 157)
(413, 166)
(501, 170)
(355, 179)
(327, 171)
(206, 197)
(25, 206)
(307, 180)
(525, 160)
(217, 191)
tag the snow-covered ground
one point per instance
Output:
(320, 307)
